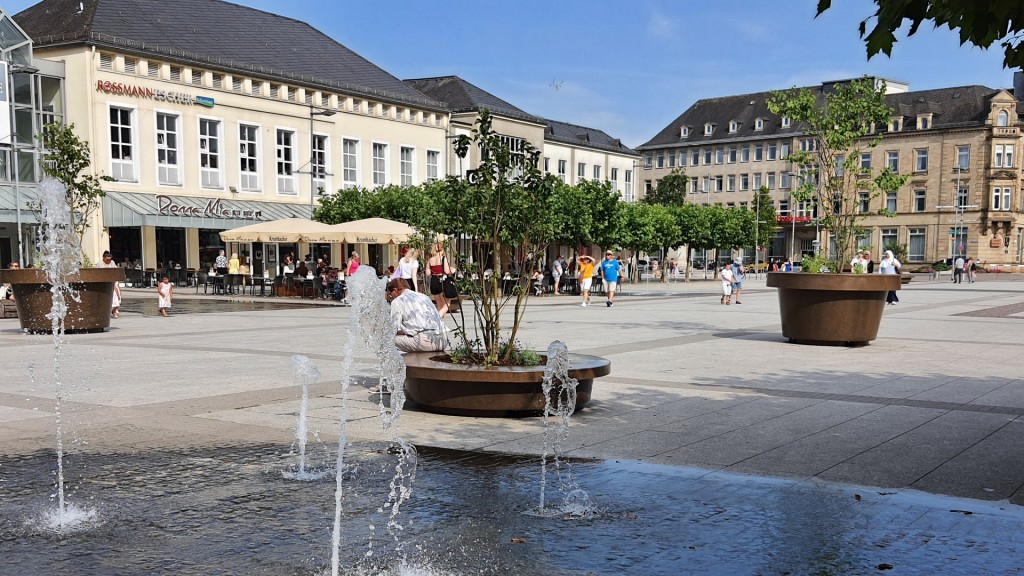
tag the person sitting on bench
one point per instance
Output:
(418, 324)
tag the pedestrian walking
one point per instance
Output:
(969, 269)
(585, 267)
(727, 279)
(958, 270)
(890, 265)
(610, 269)
(738, 272)
(556, 273)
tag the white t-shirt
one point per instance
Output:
(727, 275)
(408, 269)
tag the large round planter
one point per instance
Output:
(832, 308)
(440, 386)
(89, 313)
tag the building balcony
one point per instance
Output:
(1010, 131)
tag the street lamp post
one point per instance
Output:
(313, 112)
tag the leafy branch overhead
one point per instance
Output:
(980, 22)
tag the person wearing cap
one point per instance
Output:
(585, 267)
(610, 269)
(738, 272)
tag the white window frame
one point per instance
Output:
(349, 163)
(167, 173)
(759, 124)
(1003, 157)
(597, 171)
(733, 126)
(1002, 197)
(891, 201)
(920, 159)
(627, 194)
(434, 167)
(285, 161)
(920, 194)
(250, 180)
(380, 172)
(563, 167)
(211, 178)
(406, 166)
(709, 129)
(892, 160)
(119, 166)
(963, 157)
(615, 179)
(320, 162)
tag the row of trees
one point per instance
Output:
(585, 214)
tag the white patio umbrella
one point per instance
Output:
(284, 230)
(367, 231)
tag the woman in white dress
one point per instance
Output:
(115, 305)
(727, 280)
(890, 265)
(409, 267)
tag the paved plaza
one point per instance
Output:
(934, 405)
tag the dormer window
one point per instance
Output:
(684, 132)
(924, 121)
(709, 129)
(733, 126)
(896, 125)
(759, 124)
(1003, 118)
(786, 121)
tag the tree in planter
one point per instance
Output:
(66, 158)
(841, 125)
(504, 206)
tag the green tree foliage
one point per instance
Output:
(670, 191)
(764, 209)
(66, 158)
(505, 205)
(841, 124)
(981, 23)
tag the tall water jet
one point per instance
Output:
(560, 402)
(371, 319)
(306, 372)
(61, 257)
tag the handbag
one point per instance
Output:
(450, 289)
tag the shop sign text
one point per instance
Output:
(166, 206)
(121, 89)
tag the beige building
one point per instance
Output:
(957, 145)
(204, 131)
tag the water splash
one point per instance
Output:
(371, 319)
(307, 373)
(560, 401)
(61, 256)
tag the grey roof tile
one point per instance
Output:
(582, 136)
(194, 31)
(461, 96)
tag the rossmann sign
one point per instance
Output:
(121, 89)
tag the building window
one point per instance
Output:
(581, 171)
(808, 144)
(1003, 118)
(732, 154)
(895, 125)
(349, 163)
(719, 155)
(175, 73)
(924, 122)
(892, 161)
(758, 152)
(1000, 198)
(628, 190)
(919, 200)
(682, 159)
(318, 163)
(731, 183)
(122, 153)
(784, 208)
(771, 180)
(863, 202)
(131, 65)
(217, 80)
(285, 162)
(597, 172)
(865, 161)
(961, 198)
(661, 162)
(248, 154)
(563, 166)
(744, 182)
(197, 77)
(963, 157)
(921, 160)
(733, 126)
(649, 161)
(840, 168)
(380, 164)
(784, 180)
(757, 181)
(168, 169)
(236, 84)
(709, 129)
(405, 165)
(890, 202)
(915, 248)
(705, 184)
(1004, 156)
(786, 122)
(889, 237)
(719, 183)
(106, 61)
(695, 158)
(293, 93)
(772, 149)
(707, 156)
(684, 132)
(759, 124)
(152, 69)
(275, 91)
(434, 162)
(783, 150)
(745, 154)
(672, 160)
(209, 153)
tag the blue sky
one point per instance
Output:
(630, 67)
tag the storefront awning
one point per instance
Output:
(165, 210)
(25, 196)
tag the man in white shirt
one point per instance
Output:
(419, 326)
(958, 270)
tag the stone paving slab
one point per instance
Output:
(935, 403)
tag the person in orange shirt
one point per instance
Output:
(585, 266)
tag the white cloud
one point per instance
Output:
(660, 26)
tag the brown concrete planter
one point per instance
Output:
(95, 287)
(446, 388)
(843, 309)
